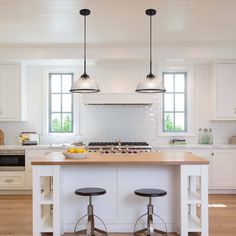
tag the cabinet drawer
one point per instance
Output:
(14, 179)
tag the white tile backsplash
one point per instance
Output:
(128, 122)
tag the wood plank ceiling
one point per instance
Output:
(112, 21)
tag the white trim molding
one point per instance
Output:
(45, 100)
(189, 69)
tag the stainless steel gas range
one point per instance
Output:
(119, 147)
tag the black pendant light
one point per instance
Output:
(150, 84)
(84, 84)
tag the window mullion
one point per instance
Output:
(61, 104)
(185, 102)
(174, 102)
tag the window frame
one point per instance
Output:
(185, 112)
(191, 101)
(61, 112)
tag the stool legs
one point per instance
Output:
(90, 229)
(150, 230)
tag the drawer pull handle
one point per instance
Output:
(9, 180)
(47, 153)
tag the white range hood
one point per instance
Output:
(118, 99)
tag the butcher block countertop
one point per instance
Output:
(151, 158)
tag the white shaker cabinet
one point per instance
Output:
(224, 92)
(12, 103)
(224, 169)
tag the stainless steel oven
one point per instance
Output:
(12, 160)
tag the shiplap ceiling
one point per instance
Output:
(116, 21)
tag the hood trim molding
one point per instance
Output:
(118, 99)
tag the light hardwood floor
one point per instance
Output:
(16, 216)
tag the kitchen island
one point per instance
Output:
(183, 175)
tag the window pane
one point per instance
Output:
(168, 102)
(61, 103)
(66, 83)
(56, 122)
(55, 102)
(55, 83)
(179, 102)
(66, 102)
(169, 82)
(179, 82)
(168, 122)
(66, 122)
(179, 122)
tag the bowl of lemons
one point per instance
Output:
(75, 153)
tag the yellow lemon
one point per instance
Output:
(70, 150)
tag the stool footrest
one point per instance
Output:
(150, 230)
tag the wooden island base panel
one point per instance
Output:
(183, 175)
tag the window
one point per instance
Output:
(60, 103)
(175, 102)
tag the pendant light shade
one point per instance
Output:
(150, 84)
(84, 84)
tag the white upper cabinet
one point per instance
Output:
(224, 92)
(12, 103)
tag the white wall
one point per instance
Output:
(106, 123)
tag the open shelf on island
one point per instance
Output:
(194, 224)
(46, 224)
(194, 197)
(46, 197)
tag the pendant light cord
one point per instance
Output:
(150, 45)
(85, 45)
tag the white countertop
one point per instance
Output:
(46, 146)
(155, 147)
(194, 146)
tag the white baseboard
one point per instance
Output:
(222, 191)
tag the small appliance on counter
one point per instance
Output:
(178, 141)
(29, 138)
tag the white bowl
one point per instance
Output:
(75, 155)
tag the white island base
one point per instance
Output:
(56, 208)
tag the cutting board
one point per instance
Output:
(1, 137)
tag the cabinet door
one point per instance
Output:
(224, 169)
(225, 91)
(10, 92)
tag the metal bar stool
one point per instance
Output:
(90, 229)
(150, 230)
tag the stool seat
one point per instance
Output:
(90, 191)
(150, 192)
